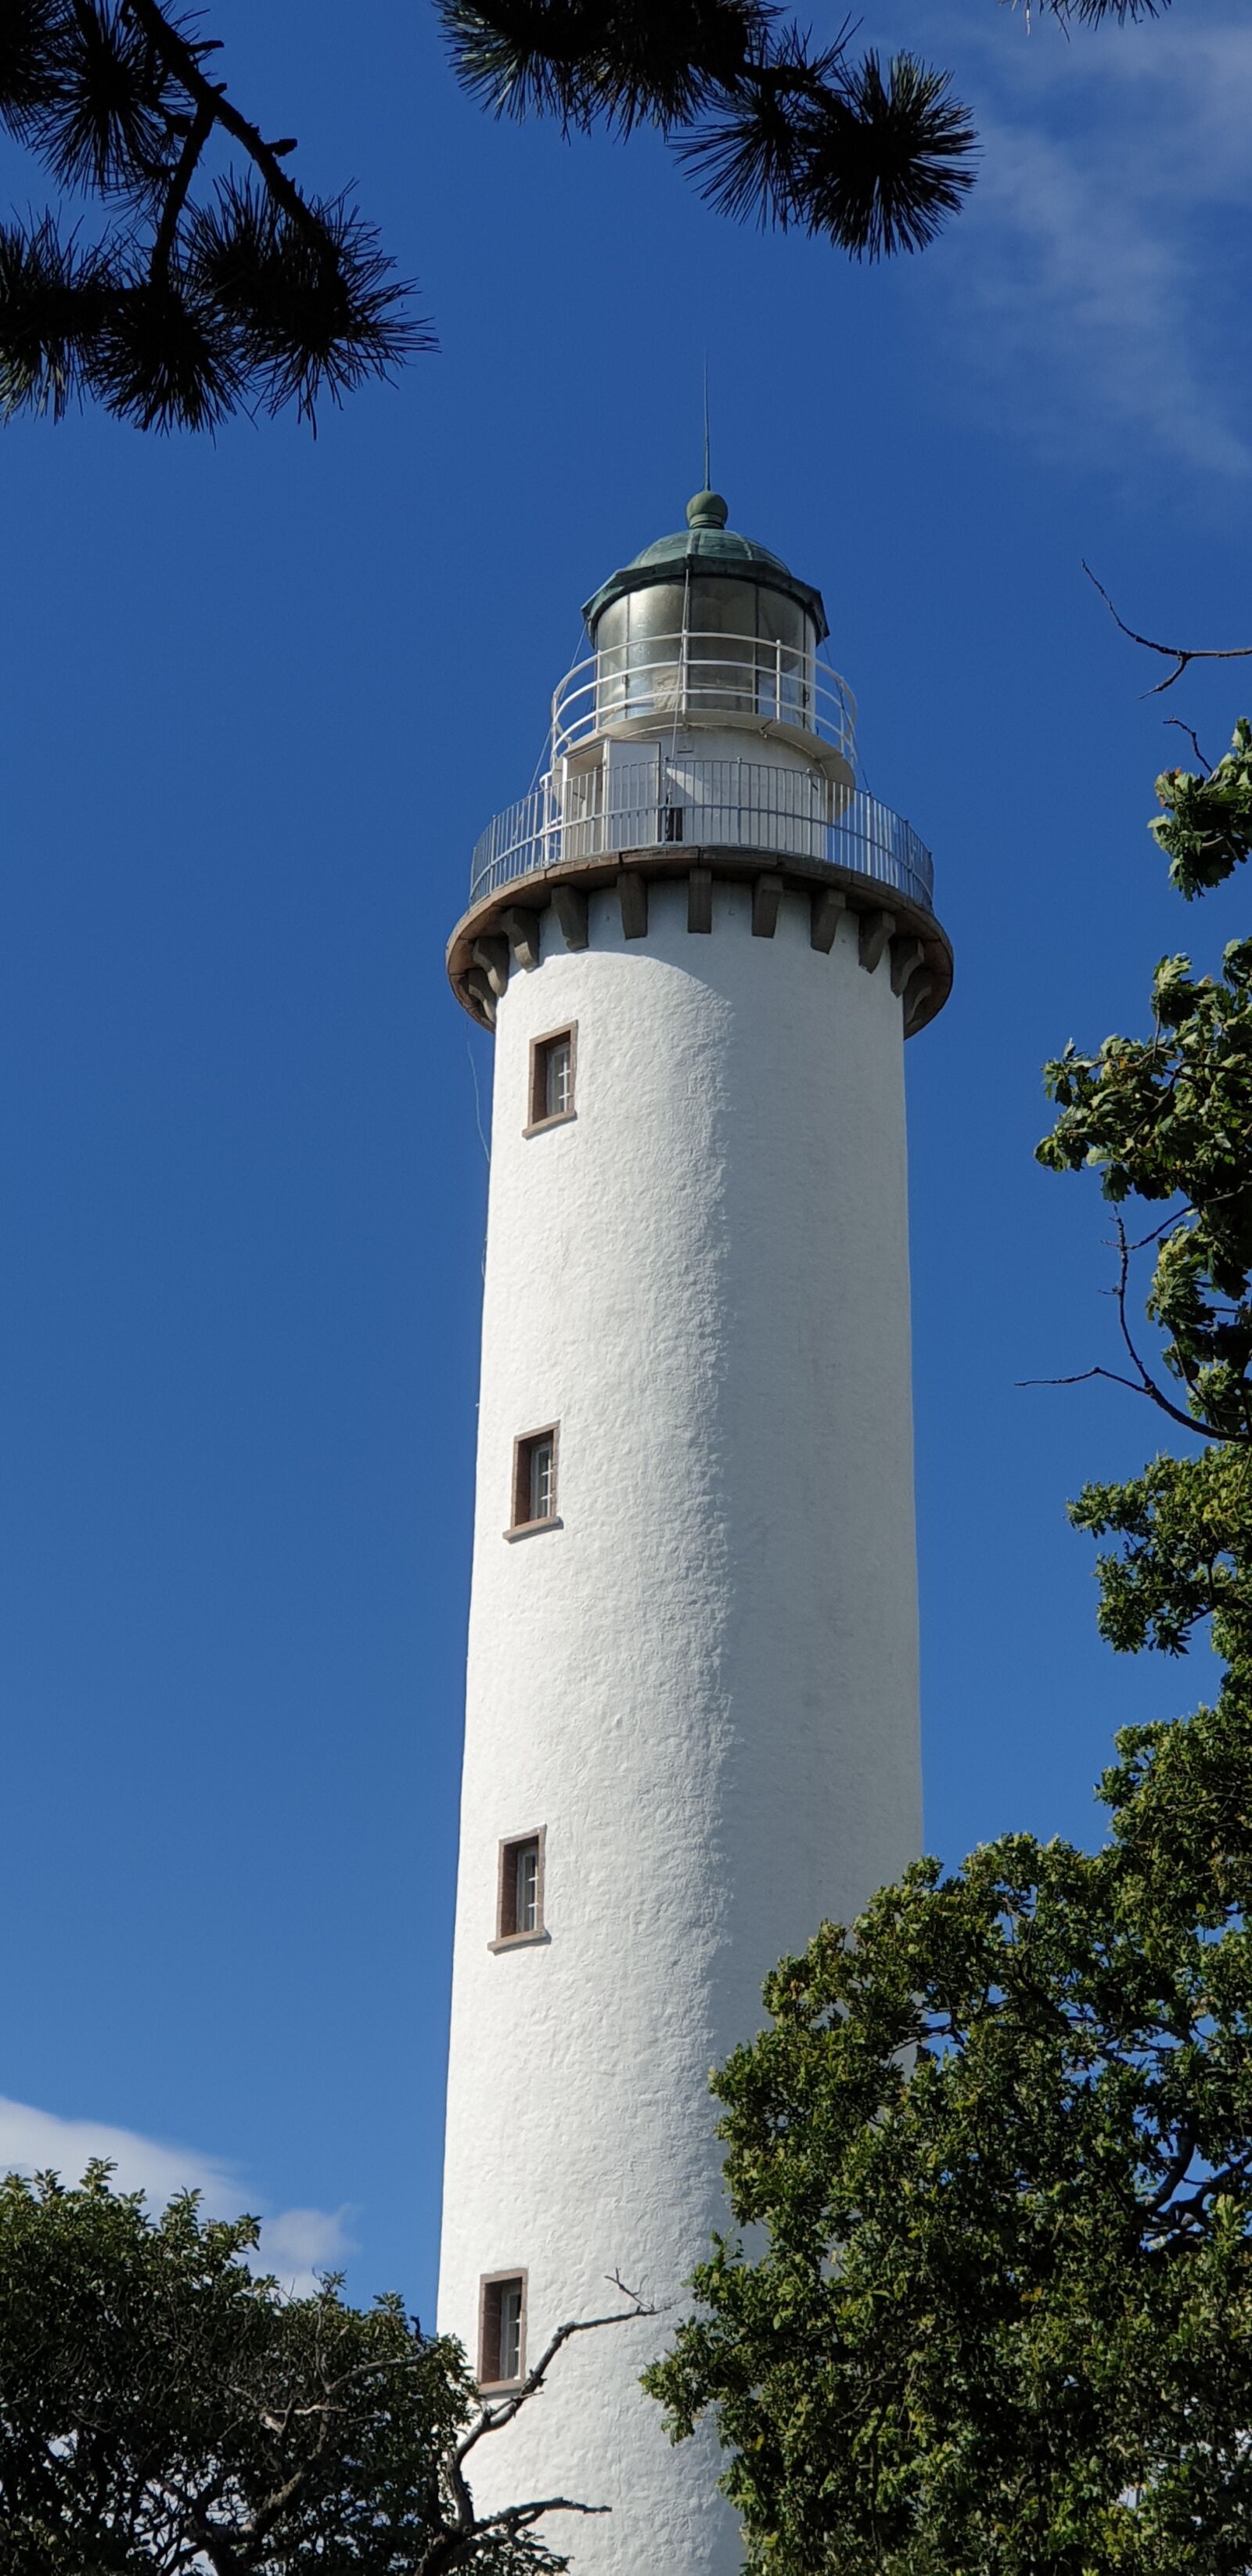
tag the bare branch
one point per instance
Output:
(1144, 1383)
(464, 2536)
(519, 2517)
(1080, 1377)
(1179, 1217)
(1189, 731)
(463, 2542)
(1179, 654)
(493, 2418)
(1147, 1381)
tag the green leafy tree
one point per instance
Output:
(218, 283)
(164, 2408)
(996, 2143)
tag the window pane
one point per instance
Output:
(541, 1481)
(557, 1071)
(527, 1901)
(510, 2330)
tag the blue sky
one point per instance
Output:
(260, 696)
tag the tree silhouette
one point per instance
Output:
(251, 293)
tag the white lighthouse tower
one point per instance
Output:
(692, 1724)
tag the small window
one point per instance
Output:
(519, 1906)
(551, 1079)
(502, 2330)
(534, 1480)
(526, 1887)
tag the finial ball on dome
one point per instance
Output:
(707, 510)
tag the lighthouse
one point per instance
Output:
(692, 1702)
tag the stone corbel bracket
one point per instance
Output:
(896, 937)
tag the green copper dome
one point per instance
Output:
(711, 549)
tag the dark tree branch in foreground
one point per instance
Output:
(1190, 733)
(774, 128)
(1143, 1382)
(1181, 655)
(493, 2418)
(257, 296)
(261, 294)
(161, 2402)
(254, 294)
(462, 2540)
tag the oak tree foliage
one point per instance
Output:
(217, 282)
(995, 2145)
(166, 2411)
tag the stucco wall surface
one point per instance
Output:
(704, 1682)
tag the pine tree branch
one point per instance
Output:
(182, 60)
(176, 198)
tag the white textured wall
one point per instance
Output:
(705, 1683)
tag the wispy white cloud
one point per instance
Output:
(1097, 279)
(1087, 298)
(296, 2244)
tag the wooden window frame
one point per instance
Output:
(487, 2326)
(510, 1845)
(520, 1525)
(538, 1122)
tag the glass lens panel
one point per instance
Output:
(721, 657)
(658, 610)
(723, 607)
(785, 659)
(611, 629)
(783, 621)
(611, 649)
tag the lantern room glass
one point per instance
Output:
(704, 647)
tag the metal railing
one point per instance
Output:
(657, 803)
(666, 678)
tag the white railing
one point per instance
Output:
(656, 803)
(671, 677)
